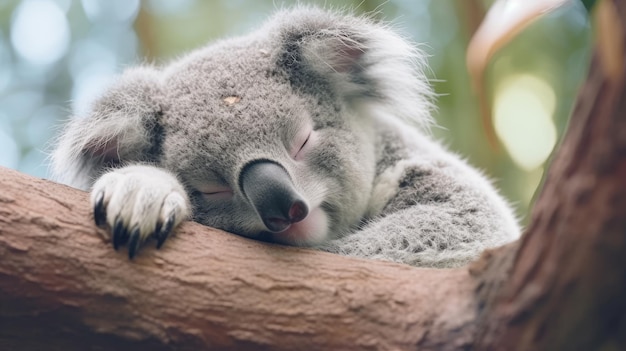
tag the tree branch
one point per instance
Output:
(63, 287)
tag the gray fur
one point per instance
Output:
(381, 186)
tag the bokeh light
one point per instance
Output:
(523, 114)
(40, 32)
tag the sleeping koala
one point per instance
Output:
(309, 131)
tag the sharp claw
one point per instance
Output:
(99, 212)
(120, 234)
(157, 230)
(165, 231)
(133, 243)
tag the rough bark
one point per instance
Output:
(63, 287)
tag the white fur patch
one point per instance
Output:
(386, 187)
(141, 196)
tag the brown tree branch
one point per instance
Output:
(62, 287)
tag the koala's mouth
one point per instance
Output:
(310, 231)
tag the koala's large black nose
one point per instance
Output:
(270, 190)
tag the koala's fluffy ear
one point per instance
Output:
(365, 62)
(122, 126)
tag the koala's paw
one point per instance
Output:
(139, 202)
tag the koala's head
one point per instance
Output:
(273, 134)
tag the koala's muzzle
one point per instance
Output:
(270, 190)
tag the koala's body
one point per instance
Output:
(309, 132)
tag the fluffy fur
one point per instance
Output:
(376, 184)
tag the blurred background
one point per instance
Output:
(57, 55)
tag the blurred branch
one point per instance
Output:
(504, 21)
(472, 13)
(609, 39)
(143, 27)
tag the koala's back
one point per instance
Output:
(421, 187)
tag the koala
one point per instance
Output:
(311, 131)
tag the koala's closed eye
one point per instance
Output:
(216, 192)
(304, 146)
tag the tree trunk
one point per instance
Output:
(567, 288)
(561, 287)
